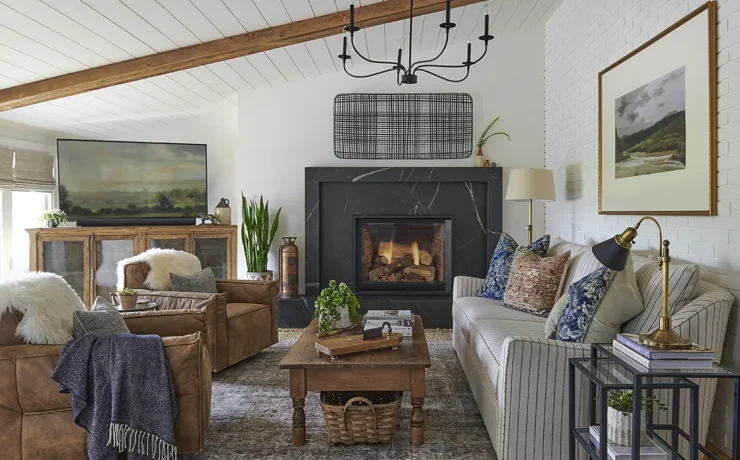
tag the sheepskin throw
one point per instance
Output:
(47, 303)
(161, 262)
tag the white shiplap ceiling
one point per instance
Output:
(45, 38)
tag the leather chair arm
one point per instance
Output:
(214, 316)
(167, 323)
(248, 291)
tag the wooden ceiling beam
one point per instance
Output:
(214, 51)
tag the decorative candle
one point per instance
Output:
(400, 52)
(470, 49)
(352, 16)
(447, 12)
(344, 47)
(485, 32)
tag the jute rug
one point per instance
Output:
(251, 414)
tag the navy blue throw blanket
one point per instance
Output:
(122, 394)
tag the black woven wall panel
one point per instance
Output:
(403, 126)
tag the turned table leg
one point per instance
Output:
(298, 395)
(417, 404)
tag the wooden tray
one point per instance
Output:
(353, 343)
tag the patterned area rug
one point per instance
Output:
(251, 414)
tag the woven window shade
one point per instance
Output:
(6, 169)
(34, 171)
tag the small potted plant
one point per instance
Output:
(257, 236)
(479, 158)
(127, 298)
(337, 308)
(53, 217)
(619, 416)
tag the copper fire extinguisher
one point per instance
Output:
(289, 268)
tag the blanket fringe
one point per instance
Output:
(125, 438)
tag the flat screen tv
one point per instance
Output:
(116, 180)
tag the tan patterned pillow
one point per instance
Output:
(534, 282)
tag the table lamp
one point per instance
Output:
(613, 253)
(530, 185)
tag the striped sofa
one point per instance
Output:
(519, 378)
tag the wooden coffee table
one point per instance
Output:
(380, 370)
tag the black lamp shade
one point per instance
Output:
(611, 254)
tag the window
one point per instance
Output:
(25, 208)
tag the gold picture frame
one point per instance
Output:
(647, 167)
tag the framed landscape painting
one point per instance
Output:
(657, 123)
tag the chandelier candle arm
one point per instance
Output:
(408, 76)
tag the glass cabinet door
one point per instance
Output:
(68, 259)
(109, 250)
(179, 242)
(213, 252)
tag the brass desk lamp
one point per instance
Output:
(613, 253)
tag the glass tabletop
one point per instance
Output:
(715, 371)
(608, 373)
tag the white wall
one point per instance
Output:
(583, 38)
(286, 128)
(219, 132)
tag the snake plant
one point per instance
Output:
(257, 233)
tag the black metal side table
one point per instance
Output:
(607, 370)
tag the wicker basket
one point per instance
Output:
(366, 423)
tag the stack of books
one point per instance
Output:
(401, 321)
(650, 451)
(654, 358)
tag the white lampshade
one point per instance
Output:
(531, 184)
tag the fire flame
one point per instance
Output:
(388, 253)
(415, 252)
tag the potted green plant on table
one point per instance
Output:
(479, 158)
(257, 236)
(53, 217)
(337, 308)
(126, 298)
(619, 416)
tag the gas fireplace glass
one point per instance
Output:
(403, 253)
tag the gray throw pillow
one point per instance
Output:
(203, 281)
(102, 320)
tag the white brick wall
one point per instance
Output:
(583, 38)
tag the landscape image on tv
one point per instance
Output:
(99, 179)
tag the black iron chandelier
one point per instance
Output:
(407, 74)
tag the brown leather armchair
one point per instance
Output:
(37, 421)
(237, 322)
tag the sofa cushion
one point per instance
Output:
(534, 281)
(683, 280)
(101, 323)
(469, 310)
(498, 271)
(234, 310)
(488, 335)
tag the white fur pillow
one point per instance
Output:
(47, 303)
(162, 262)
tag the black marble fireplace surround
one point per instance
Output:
(469, 198)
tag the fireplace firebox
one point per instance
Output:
(403, 254)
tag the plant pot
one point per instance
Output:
(51, 224)
(260, 276)
(480, 160)
(345, 320)
(128, 302)
(619, 428)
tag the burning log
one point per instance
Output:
(425, 258)
(407, 260)
(423, 271)
(383, 270)
(382, 260)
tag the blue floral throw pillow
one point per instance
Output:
(498, 272)
(584, 297)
